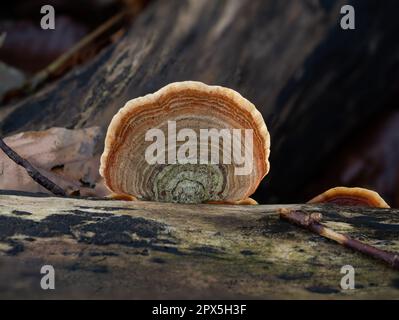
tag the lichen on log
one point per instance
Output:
(122, 249)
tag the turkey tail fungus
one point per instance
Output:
(351, 197)
(157, 146)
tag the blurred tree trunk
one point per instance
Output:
(314, 83)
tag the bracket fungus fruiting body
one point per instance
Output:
(186, 143)
(351, 197)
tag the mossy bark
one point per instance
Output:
(119, 249)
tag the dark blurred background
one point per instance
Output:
(30, 49)
(329, 96)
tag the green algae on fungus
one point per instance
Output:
(189, 183)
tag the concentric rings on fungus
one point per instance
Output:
(177, 109)
(351, 197)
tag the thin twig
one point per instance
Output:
(33, 173)
(312, 222)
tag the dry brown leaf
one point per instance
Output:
(70, 158)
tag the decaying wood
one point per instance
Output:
(118, 249)
(310, 79)
(64, 148)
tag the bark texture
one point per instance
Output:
(119, 249)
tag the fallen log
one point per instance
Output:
(119, 249)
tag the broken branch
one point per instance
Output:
(312, 222)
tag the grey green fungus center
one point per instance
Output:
(189, 183)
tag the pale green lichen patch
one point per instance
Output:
(339, 226)
(4, 247)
